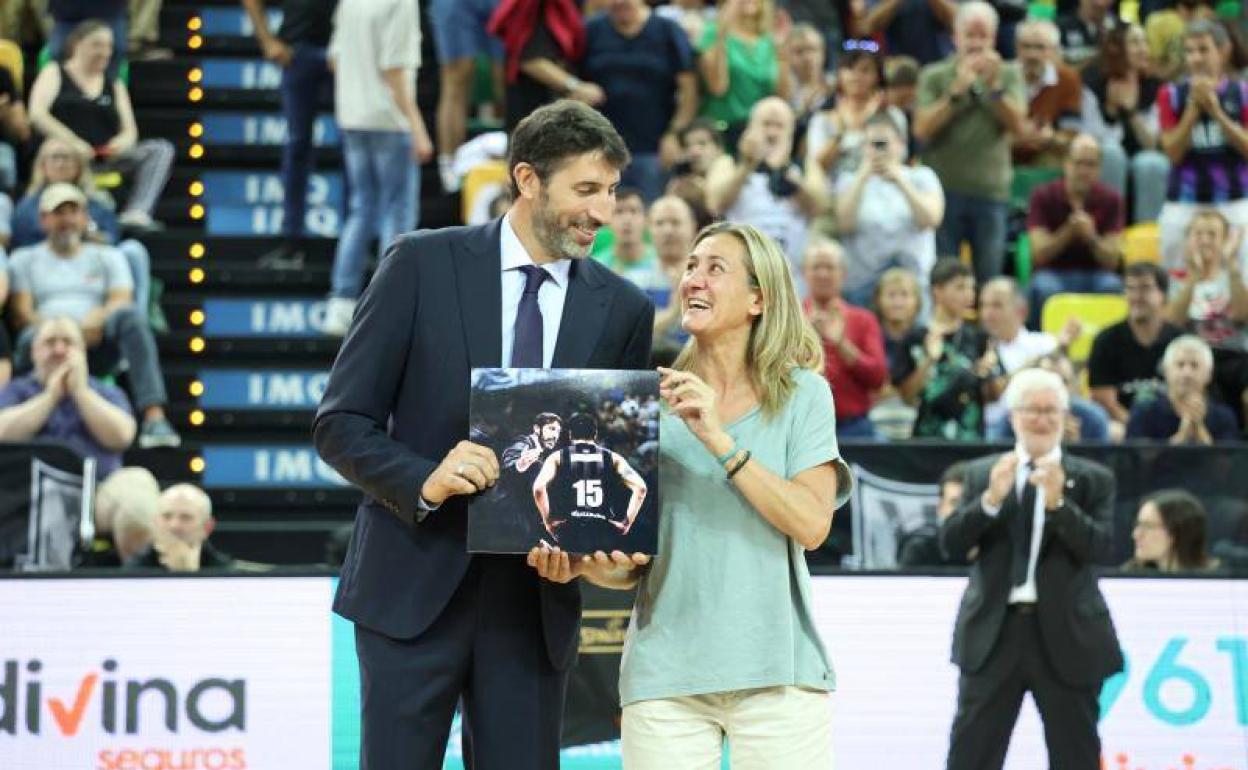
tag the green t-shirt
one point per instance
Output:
(971, 153)
(726, 603)
(752, 73)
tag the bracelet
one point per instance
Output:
(726, 456)
(740, 464)
(571, 83)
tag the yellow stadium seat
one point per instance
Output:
(11, 59)
(488, 176)
(1141, 243)
(1095, 311)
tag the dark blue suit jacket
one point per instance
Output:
(397, 402)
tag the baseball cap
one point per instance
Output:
(60, 192)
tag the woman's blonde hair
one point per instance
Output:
(766, 15)
(781, 339)
(85, 180)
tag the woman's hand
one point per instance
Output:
(693, 401)
(612, 570)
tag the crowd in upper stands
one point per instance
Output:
(963, 189)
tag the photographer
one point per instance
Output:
(764, 187)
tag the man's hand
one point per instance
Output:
(1050, 477)
(590, 93)
(1204, 94)
(1001, 480)
(1194, 407)
(276, 51)
(1069, 332)
(56, 386)
(76, 373)
(989, 66)
(527, 458)
(467, 469)
(176, 555)
(422, 145)
(1082, 224)
(934, 342)
(965, 75)
(750, 148)
(830, 324)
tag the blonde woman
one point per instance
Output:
(743, 58)
(722, 644)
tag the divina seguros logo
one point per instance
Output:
(126, 707)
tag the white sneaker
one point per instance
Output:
(446, 170)
(338, 313)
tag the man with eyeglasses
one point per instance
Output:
(1032, 619)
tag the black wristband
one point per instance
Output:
(740, 464)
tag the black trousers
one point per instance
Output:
(989, 701)
(488, 649)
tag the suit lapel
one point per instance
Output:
(478, 279)
(585, 310)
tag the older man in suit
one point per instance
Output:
(434, 624)
(1032, 619)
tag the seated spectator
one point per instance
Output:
(644, 65)
(90, 283)
(887, 211)
(897, 304)
(125, 510)
(914, 28)
(764, 187)
(968, 107)
(79, 102)
(812, 87)
(1054, 97)
(14, 127)
(836, 137)
(921, 548)
(180, 537)
(1185, 415)
(1002, 312)
(1075, 227)
(701, 145)
(1126, 97)
(1164, 30)
(743, 60)
(68, 16)
(55, 162)
(1083, 31)
(1083, 421)
(1170, 534)
(946, 368)
(672, 228)
(1203, 119)
(59, 400)
(630, 255)
(1124, 365)
(853, 347)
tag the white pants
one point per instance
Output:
(772, 728)
(1172, 227)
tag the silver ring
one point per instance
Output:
(459, 470)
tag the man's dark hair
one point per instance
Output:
(954, 474)
(901, 71)
(582, 427)
(557, 132)
(949, 269)
(702, 124)
(546, 418)
(1149, 269)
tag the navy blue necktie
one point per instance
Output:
(1023, 524)
(526, 349)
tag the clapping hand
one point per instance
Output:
(1049, 476)
(1001, 480)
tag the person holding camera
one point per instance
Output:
(764, 187)
(887, 212)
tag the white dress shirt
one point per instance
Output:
(1026, 593)
(550, 296)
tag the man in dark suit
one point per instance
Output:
(433, 624)
(1032, 618)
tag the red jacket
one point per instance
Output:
(514, 21)
(853, 386)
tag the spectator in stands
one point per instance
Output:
(180, 537)
(887, 211)
(59, 400)
(1165, 28)
(901, 89)
(1186, 415)
(645, 67)
(82, 104)
(90, 283)
(916, 28)
(812, 87)
(299, 48)
(375, 51)
(1054, 93)
(898, 303)
(144, 33)
(1002, 313)
(1170, 534)
(853, 346)
(460, 39)
(14, 127)
(1083, 31)
(1123, 368)
(56, 162)
(68, 16)
(691, 15)
(764, 187)
(921, 547)
(1084, 419)
(946, 367)
(836, 138)
(701, 145)
(630, 255)
(672, 228)
(968, 106)
(1075, 227)
(1203, 133)
(125, 511)
(1126, 94)
(743, 59)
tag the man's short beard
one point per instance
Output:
(557, 241)
(65, 241)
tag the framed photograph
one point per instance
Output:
(578, 457)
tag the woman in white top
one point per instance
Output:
(835, 137)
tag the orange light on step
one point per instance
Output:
(196, 151)
(196, 388)
(195, 94)
(196, 130)
(195, 23)
(196, 275)
(194, 42)
(197, 418)
(197, 345)
(197, 318)
(197, 211)
(194, 75)
(197, 465)
(196, 251)
(196, 188)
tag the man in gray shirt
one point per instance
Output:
(91, 284)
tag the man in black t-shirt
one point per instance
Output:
(1124, 365)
